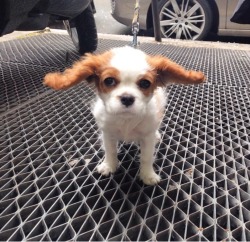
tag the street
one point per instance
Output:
(105, 22)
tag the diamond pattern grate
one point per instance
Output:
(50, 147)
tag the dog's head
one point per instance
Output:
(125, 78)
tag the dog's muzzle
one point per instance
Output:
(127, 100)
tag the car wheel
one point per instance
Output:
(185, 19)
(82, 30)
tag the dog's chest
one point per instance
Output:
(126, 127)
(127, 130)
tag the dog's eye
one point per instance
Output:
(109, 82)
(144, 84)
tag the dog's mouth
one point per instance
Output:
(130, 113)
(125, 112)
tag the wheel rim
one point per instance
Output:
(182, 19)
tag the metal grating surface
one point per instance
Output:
(50, 147)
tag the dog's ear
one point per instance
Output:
(169, 72)
(84, 69)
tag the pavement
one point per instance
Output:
(127, 37)
(50, 147)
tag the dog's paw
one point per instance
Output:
(106, 168)
(149, 178)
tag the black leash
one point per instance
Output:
(135, 24)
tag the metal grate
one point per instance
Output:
(50, 147)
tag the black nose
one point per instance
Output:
(127, 100)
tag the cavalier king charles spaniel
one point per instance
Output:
(130, 100)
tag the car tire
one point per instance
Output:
(181, 19)
(83, 32)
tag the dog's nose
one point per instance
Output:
(127, 100)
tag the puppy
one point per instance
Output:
(130, 99)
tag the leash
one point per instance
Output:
(135, 24)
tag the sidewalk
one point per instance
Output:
(50, 147)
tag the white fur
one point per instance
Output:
(138, 122)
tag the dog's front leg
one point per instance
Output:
(109, 163)
(147, 173)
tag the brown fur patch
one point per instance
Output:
(170, 72)
(86, 68)
(106, 73)
(150, 76)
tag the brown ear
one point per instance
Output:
(84, 69)
(169, 72)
